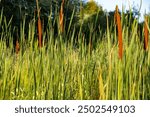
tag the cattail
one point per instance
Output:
(146, 34)
(17, 47)
(61, 17)
(39, 26)
(118, 22)
(40, 32)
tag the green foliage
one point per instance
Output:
(91, 7)
(20, 9)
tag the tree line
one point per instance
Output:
(80, 13)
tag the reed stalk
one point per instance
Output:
(17, 47)
(40, 32)
(61, 17)
(119, 27)
(39, 26)
(101, 86)
(146, 34)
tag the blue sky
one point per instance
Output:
(109, 5)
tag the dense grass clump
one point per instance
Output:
(68, 68)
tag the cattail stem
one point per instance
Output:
(17, 47)
(61, 17)
(90, 45)
(38, 9)
(39, 32)
(146, 34)
(39, 26)
(120, 42)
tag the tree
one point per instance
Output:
(91, 18)
(18, 9)
(91, 7)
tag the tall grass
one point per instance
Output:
(64, 70)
